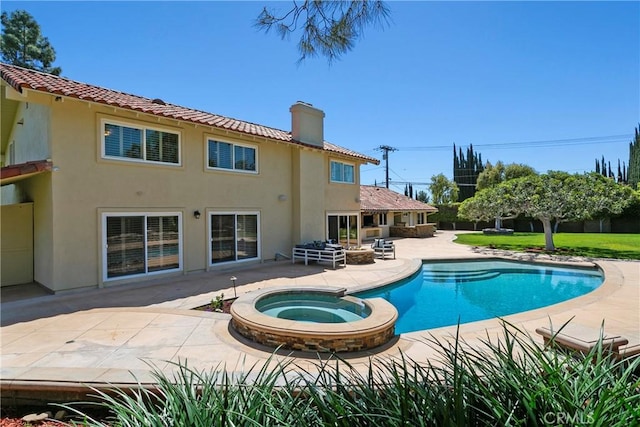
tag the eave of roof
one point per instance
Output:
(13, 173)
(22, 79)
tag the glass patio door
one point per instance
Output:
(343, 229)
(234, 237)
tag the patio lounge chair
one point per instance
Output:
(581, 338)
(382, 248)
(628, 352)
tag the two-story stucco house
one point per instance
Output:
(102, 187)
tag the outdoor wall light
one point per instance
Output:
(196, 214)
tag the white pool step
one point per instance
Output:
(459, 276)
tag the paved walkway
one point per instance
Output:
(62, 343)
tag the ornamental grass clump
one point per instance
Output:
(257, 397)
(507, 380)
(514, 381)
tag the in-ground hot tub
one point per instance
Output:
(313, 319)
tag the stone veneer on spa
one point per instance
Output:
(370, 332)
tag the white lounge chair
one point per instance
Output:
(382, 248)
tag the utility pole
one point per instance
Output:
(385, 157)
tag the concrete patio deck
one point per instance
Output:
(55, 346)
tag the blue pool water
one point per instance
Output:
(445, 293)
(311, 307)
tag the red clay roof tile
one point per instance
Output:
(12, 173)
(22, 78)
(379, 199)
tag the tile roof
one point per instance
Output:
(380, 199)
(21, 78)
(12, 173)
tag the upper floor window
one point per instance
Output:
(130, 142)
(342, 172)
(224, 155)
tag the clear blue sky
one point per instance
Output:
(560, 74)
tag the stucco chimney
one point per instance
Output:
(307, 124)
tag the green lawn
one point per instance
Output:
(598, 245)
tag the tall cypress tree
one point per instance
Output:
(603, 167)
(633, 170)
(466, 171)
(620, 177)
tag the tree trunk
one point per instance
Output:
(601, 224)
(498, 223)
(548, 234)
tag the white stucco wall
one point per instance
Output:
(30, 139)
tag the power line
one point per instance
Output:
(608, 139)
(409, 182)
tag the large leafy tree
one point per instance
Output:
(443, 190)
(493, 203)
(603, 203)
(22, 43)
(494, 175)
(559, 196)
(423, 197)
(495, 207)
(328, 28)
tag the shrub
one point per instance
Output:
(506, 381)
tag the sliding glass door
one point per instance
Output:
(234, 237)
(141, 243)
(343, 228)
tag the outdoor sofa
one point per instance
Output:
(321, 252)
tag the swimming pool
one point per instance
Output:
(445, 293)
